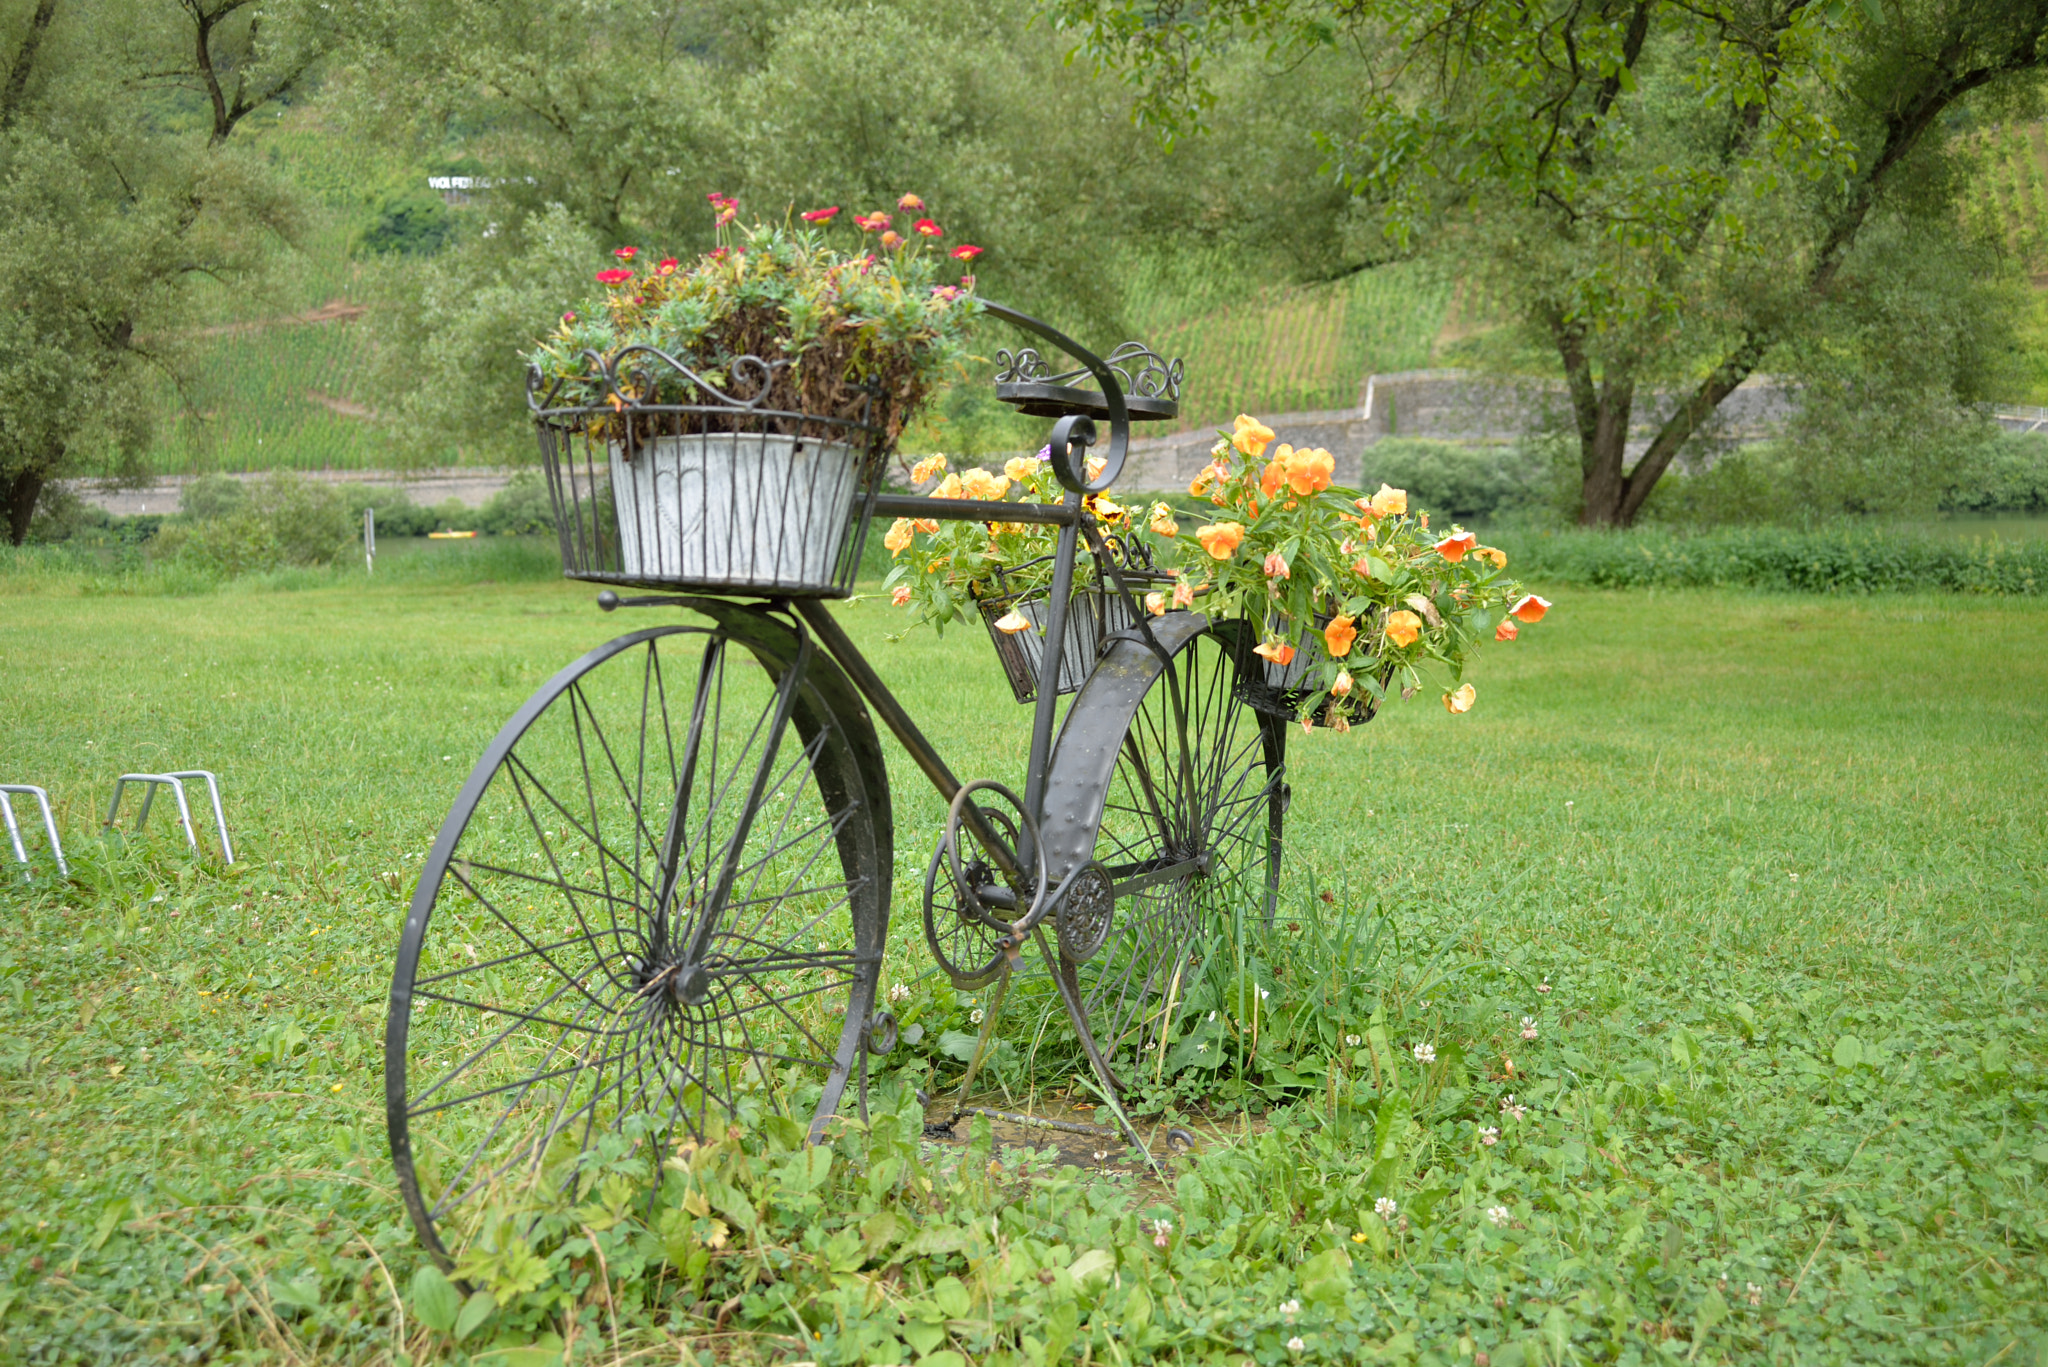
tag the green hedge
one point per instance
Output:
(1847, 560)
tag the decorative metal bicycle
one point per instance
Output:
(665, 886)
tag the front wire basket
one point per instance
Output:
(1096, 613)
(686, 481)
(1283, 691)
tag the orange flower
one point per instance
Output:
(1530, 608)
(1162, 523)
(897, 538)
(1183, 594)
(1338, 636)
(1308, 724)
(1341, 725)
(901, 595)
(1310, 471)
(1021, 468)
(1210, 482)
(1013, 622)
(1403, 627)
(1251, 436)
(1275, 474)
(1460, 701)
(1276, 566)
(1221, 541)
(927, 525)
(1388, 502)
(1341, 687)
(949, 487)
(1155, 603)
(1454, 546)
(1506, 631)
(1279, 652)
(927, 468)
(1494, 553)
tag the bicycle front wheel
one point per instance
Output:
(660, 901)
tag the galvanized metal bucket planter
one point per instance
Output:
(757, 511)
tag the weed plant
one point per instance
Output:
(1681, 1002)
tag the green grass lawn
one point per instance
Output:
(1779, 860)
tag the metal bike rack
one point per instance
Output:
(174, 780)
(49, 825)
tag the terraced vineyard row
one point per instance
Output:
(1276, 348)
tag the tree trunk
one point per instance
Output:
(22, 492)
(1602, 413)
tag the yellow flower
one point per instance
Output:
(897, 538)
(1021, 468)
(979, 483)
(1403, 627)
(1460, 701)
(1105, 509)
(1389, 502)
(1251, 436)
(1162, 522)
(927, 468)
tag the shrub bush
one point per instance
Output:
(520, 508)
(1455, 482)
(1839, 560)
(281, 520)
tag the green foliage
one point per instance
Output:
(1843, 560)
(1454, 481)
(213, 496)
(521, 507)
(410, 222)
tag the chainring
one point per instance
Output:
(1085, 914)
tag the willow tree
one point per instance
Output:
(1665, 192)
(121, 188)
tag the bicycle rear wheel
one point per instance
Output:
(1177, 790)
(659, 901)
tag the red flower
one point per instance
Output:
(910, 204)
(964, 252)
(667, 266)
(820, 215)
(626, 253)
(568, 317)
(614, 277)
(719, 201)
(718, 254)
(874, 223)
(927, 228)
